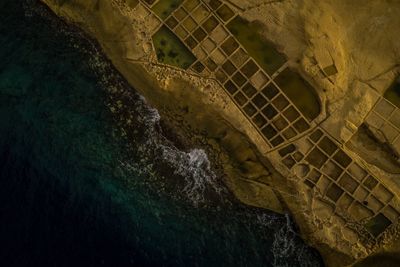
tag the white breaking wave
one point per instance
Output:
(195, 167)
(284, 245)
(150, 120)
(152, 116)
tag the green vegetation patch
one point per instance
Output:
(393, 93)
(262, 50)
(300, 92)
(164, 8)
(170, 50)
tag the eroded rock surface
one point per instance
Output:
(273, 155)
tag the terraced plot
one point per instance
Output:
(393, 93)
(300, 92)
(282, 106)
(132, 3)
(263, 51)
(351, 190)
(164, 8)
(170, 50)
(385, 116)
(220, 54)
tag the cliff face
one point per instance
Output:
(347, 49)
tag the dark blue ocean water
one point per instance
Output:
(77, 191)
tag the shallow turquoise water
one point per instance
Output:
(73, 193)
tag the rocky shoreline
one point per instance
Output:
(202, 116)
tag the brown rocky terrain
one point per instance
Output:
(347, 50)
